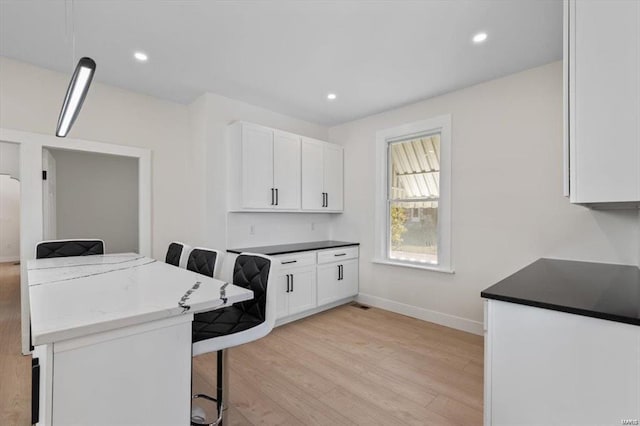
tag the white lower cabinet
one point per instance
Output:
(544, 367)
(312, 281)
(296, 290)
(337, 281)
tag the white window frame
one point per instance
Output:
(441, 125)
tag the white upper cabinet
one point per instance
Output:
(333, 176)
(268, 170)
(602, 101)
(286, 170)
(312, 174)
(264, 169)
(322, 176)
(257, 167)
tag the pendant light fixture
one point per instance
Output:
(77, 90)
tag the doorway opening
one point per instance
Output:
(89, 195)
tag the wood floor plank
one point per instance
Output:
(400, 340)
(429, 335)
(384, 396)
(455, 411)
(475, 368)
(15, 369)
(346, 366)
(306, 407)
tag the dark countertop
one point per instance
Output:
(293, 248)
(598, 290)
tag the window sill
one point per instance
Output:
(414, 266)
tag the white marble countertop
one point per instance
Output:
(76, 296)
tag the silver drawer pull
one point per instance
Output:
(289, 261)
(341, 254)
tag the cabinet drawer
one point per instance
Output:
(293, 260)
(337, 255)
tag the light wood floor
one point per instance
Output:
(342, 367)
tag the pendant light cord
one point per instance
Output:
(69, 21)
(73, 36)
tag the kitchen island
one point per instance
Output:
(562, 345)
(112, 337)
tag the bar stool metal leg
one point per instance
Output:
(220, 391)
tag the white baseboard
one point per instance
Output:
(447, 320)
(4, 259)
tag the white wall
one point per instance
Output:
(210, 115)
(10, 159)
(508, 208)
(9, 219)
(97, 197)
(188, 143)
(30, 100)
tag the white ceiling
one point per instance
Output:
(287, 55)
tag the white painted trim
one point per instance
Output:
(4, 259)
(414, 265)
(488, 353)
(565, 98)
(570, 21)
(441, 124)
(31, 197)
(452, 321)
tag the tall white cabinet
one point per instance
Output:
(273, 170)
(602, 101)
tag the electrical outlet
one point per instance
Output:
(252, 230)
(313, 226)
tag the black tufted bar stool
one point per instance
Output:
(177, 254)
(240, 323)
(204, 261)
(68, 248)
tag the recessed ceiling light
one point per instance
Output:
(479, 38)
(331, 96)
(141, 56)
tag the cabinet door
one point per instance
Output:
(337, 281)
(282, 295)
(348, 285)
(604, 81)
(303, 290)
(286, 170)
(257, 166)
(333, 176)
(328, 283)
(312, 174)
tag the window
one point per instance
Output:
(413, 193)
